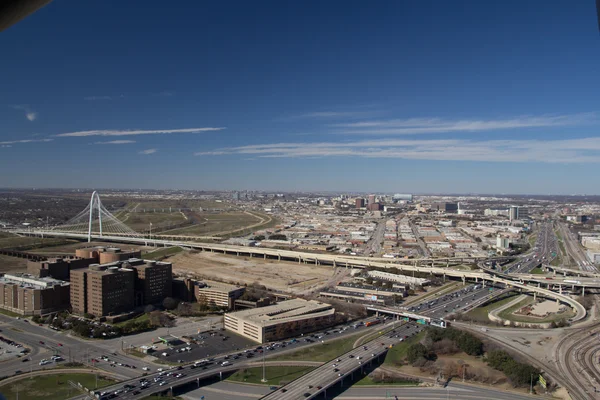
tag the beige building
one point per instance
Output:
(285, 319)
(102, 290)
(221, 294)
(28, 295)
(107, 255)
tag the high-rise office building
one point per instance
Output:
(513, 213)
(153, 280)
(102, 290)
(371, 198)
(360, 203)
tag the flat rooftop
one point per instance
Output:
(31, 281)
(224, 287)
(285, 311)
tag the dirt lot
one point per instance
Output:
(12, 264)
(287, 276)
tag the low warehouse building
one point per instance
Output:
(285, 319)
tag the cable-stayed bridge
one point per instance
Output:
(96, 222)
(95, 219)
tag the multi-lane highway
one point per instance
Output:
(574, 250)
(163, 380)
(544, 251)
(235, 360)
(337, 370)
(226, 390)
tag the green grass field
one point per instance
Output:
(397, 354)
(531, 239)
(508, 314)
(51, 387)
(274, 375)
(160, 220)
(141, 318)
(537, 270)
(480, 314)
(321, 352)
(368, 381)
(215, 224)
(27, 242)
(176, 204)
(161, 253)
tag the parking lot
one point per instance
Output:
(10, 349)
(206, 344)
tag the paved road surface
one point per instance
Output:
(228, 390)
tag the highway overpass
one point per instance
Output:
(336, 260)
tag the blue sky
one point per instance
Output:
(387, 96)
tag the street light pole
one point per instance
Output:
(531, 384)
(264, 378)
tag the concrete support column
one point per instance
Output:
(476, 280)
(559, 289)
(464, 280)
(299, 260)
(334, 264)
(483, 282)
(444, 277)
(316, 262)
(278, 257)
(534, 296)
(583, 290)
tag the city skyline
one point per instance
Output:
(468, 98)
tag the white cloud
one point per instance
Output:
(135, 132)
(117, 142)
(92, 98)
(335, 114)
(6, 145)
(148, 151)
(29, 113)
(437, 125)
(10, 142)
(585, 150)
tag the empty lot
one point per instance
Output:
(271, 273)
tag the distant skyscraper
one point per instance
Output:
(371, 198)
(236, 195)
(360, 203)
(513, 213)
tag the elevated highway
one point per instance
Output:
(345, 261)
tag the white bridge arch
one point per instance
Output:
(95, 219)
